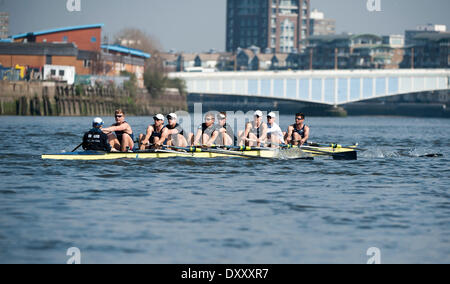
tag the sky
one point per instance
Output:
(199, 25)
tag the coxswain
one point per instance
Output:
(207, 132)
(274, 134)
(95, 139)
(120, 134)
(255, 132)
(173, 133)
(298, 133)
(154, 132)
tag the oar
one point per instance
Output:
(236, 148)
(432, 156)
(77, 147)
(333, 145)
(187, 149)
(351, 155)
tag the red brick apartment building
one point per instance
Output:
(79, 46)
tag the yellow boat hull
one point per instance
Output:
(340, 154)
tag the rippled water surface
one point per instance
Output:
(228, 210)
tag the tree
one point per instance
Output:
(155, 80)
(138, 39)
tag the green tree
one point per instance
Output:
(155, 82)
(131, 85)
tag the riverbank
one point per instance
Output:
(57, 99)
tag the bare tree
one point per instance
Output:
(138, 39)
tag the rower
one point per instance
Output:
(274, 134)
(226, 135)
(173, 133)
(153, 136)
(207, 132)
(120, 133)
(298, 133)
(254, 131)
(95, 139)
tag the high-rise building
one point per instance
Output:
(4, 25)
(319, 25)
(278, 25)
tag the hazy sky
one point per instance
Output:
(199, 25)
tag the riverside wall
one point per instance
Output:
(56, 99)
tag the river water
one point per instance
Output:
(228, 210)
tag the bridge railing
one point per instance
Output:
(326, 87)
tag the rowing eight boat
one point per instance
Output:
(267, 153)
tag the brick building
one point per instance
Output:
(319, 25)
(88, 55)
(88, 37)
(36, 55)
(279, 25)
(118, 59)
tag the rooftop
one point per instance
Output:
(58, 30)
(125, 50)
(57, 49)
(433, 36)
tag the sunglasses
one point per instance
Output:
(170, 118)
(119, 116)
(299, 118)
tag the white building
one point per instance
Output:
(432, 28)
(59, 73)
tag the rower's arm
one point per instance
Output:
(197, 138)
(121, 127)
(306, 135)
(164, 136)
(248, 127)
(289, 135)
(265, 129)
(213, 138)
(85, 141)
(148, 135)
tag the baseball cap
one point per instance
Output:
(158, 117)
(97, 122)
(172, 115)
(258, 113)
(272, 115)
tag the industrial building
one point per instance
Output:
(78, 46)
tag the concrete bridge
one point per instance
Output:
(321, 88)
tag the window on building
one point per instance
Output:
(48, 59)
(87, 63)
(65, 38)
(53, 72)
(93, 39)
(61, 73)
